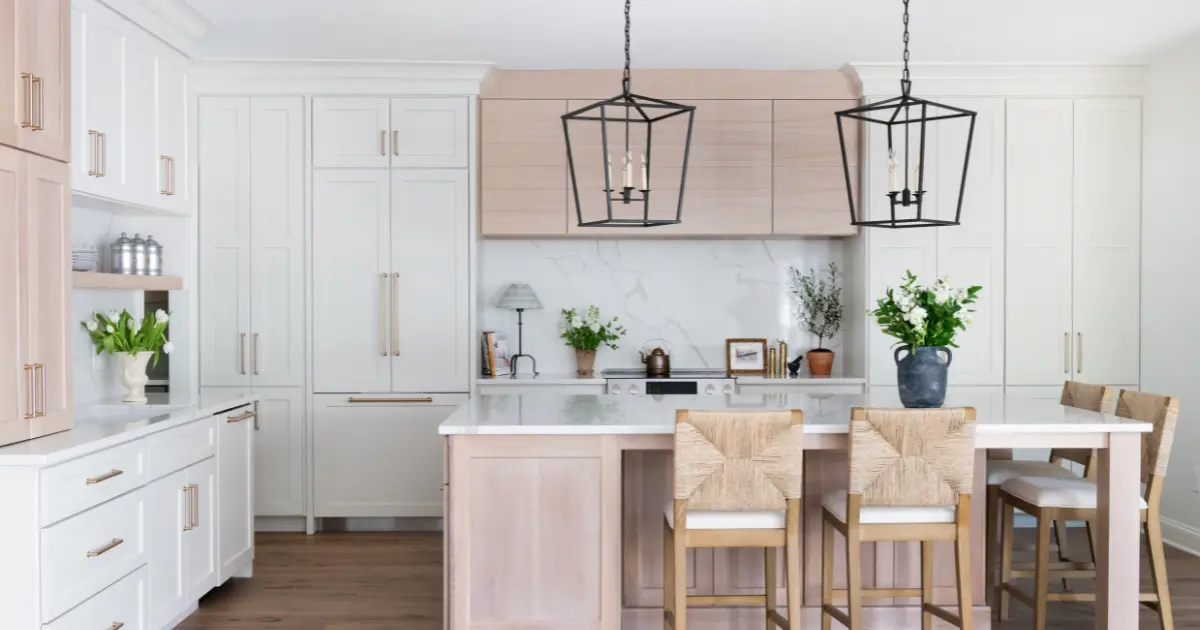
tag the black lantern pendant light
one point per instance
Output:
(633, 117)
(907, 119)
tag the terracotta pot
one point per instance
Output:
(820, 362)
(585, 362)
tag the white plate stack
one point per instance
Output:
(84, 258)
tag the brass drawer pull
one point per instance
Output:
(239, 418)
(105, 477)
(105, 549)
(396, 143)
(355, 399)
(29, 408)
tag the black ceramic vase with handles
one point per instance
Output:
(921, 375)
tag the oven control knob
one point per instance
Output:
(728, 388)
(614, 389)
(710, 389)
(633, 389)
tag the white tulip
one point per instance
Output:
(161, 316)
(92, 327)
(113, 315)
(168, 347)
(131, 325)
(110, 329)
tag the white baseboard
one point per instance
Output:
(279, 524)
(1181, 536)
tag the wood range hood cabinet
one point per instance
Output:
(765, 159)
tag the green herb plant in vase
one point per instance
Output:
(925, 320)
(586, 333)
(134, 342)
(819, 313)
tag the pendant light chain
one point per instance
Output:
(905, 82)
(625, 80)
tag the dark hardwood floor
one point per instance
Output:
(392, 581)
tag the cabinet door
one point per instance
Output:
(142, 184)
(431, 349)
(379, 458)
(350, 132)
(235, 457)
(12, 86)
(429, 132)
(973, 253)
(43, 49)
(279, 452)
(15, 380)
(1039, 198)
(224, 241)
(1107, 228)
(99, 99)
(523, 174)
(277, 245)
(809, 183)
(48, 204)
(172, 154)
(352, 283)
(200, 543)
(166, 522)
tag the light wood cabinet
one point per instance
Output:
(523, 170)
(15, 380)
(411, 132)
(35, 75)
(235, 462)
(809, 183)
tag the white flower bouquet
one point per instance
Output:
(925, 316)
(586, 332)
(121, 332)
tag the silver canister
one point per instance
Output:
(121, 255)
(154, 260)
(139, 255)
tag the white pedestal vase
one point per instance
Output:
(133, 375)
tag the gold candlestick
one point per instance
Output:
(772, 364)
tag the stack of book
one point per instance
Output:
(496, 359)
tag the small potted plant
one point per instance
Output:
(585, 333)
(820, 313)
(925, 320)
(134, 342)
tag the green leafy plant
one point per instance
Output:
(121, 332)
(820, 311)
(925, 316)
(586, 332)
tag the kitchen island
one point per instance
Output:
(555, 506)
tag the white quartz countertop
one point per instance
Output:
(655, 415)
(802, 380)
(108, 424)
(544, 378)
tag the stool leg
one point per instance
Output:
(668, 574)
(772, 588)
(926, 584)
(962, 564)
(1006, 549)
(854, 577)
(1158, 573)
(827, 533)
(1060, 538)
(795, 565)
(679, 581)
(991, 542)
(1041, 588)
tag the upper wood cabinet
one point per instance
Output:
(524, 167)
(414, 132)
(809, 178)
(35, 88)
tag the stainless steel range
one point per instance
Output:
(682, 381)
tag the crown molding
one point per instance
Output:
(174, 21)
(322, 76)
(994, 79)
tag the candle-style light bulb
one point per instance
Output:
(645, 173)
(609, 182)
(627, 172)
(916, 174)
(893, 174)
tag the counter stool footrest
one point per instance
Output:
(837, 614)
(702, 601)
(943, 614)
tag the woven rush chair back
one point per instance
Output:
(912, 457)
(1163, 412)
(1089, 397)
(738, 460)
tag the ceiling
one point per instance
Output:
(543, 34)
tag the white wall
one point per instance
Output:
(695, 294)
(1170, 360)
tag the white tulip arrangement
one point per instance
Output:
(122, 332)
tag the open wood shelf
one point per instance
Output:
(116, 281)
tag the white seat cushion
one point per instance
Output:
(712, 519)
(1056, 492)
(835, 502)
(1001, 470)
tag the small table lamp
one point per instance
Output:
(518, 297)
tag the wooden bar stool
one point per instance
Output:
(911, 472)
(1052, 499)
(738, 483)
(1080, 396)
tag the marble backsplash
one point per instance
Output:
(694, 294)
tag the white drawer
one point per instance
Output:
(181, 447)
(87, 552)
(123, 605)
(79, 484)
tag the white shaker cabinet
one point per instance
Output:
(168, 523)
(409, 132)
(173, 186)
(251, 241)
(235, 458)
(350, 132)
(429, 132)
(279, 452)
(200, 561)
(98, 107)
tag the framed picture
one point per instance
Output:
(746, 357)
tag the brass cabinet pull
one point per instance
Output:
(240, 417)
(396, 143)
(29, 408)
(356, 399)
(39, 375)
(103, 144)
(396, 314)
(164, 188)
(195, 505)
(382, 142)
(187, 509)
(254, 354)
(105, 477)
(105, 549)
(383, 340)
(92, 157)
(1079, 355)
(242, 352)
(1066, 353)
(38, 110)
(174, 190)
(27, 115)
